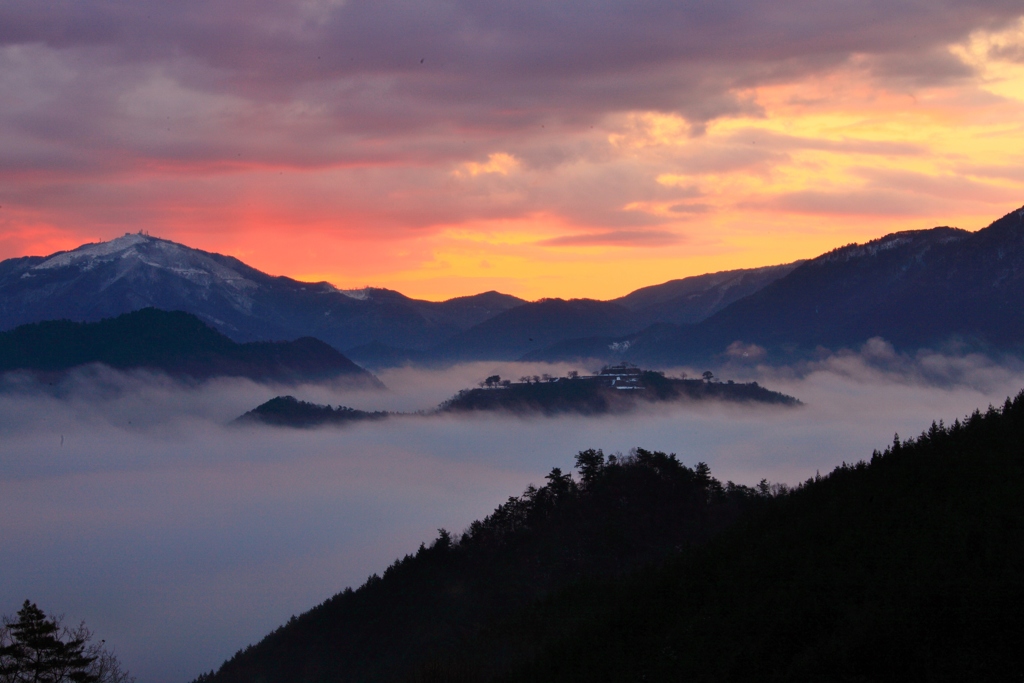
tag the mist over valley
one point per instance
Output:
(126, 499)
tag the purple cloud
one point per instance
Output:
(268, 80)
(117, 115)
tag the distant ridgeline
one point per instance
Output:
(172, 342)
(615, 389)
(909, 567)
(942, 288)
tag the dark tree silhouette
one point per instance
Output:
(589, 464)
(38, 649)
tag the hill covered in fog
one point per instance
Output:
(616, 389)
(288, 411)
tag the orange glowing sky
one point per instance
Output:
(506, 160)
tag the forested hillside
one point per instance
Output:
(906, 567)
(620, 514)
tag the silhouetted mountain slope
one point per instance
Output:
(463, 312)
(176, 343)
(622, 513)
(531, 326)
(915, 289)
(131, 272)
(604, 349)
(693, 299)
(910, 567)
(906, 287)
(534, 326)
(907, 568)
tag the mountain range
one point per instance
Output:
(918, 288)
(923, 288)
(97, 281)
(374, 325)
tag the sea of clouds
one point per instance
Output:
(130, 501)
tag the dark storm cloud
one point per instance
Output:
(318, 82)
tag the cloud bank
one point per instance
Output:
(127, 502)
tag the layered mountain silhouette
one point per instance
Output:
(915, 289)
(923, 288)
(172, 342)
(532, 326)
(102, 280)
(373, 325)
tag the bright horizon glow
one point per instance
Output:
(764, 159)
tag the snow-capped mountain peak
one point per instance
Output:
(88, 254)
(357, 294)
(136, 251)
(134, 271)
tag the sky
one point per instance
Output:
(448, 147)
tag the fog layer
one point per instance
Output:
(127, 500)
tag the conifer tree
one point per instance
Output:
(38, 649)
